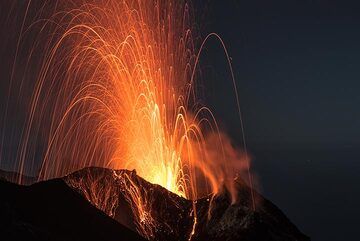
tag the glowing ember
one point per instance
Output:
(116, 88)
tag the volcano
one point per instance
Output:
(51, 210)
(93, 204)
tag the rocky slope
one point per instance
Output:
(171, 217)
(51, 210)
(104, 204)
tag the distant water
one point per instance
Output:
(317, 189)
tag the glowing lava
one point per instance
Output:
(116, 88)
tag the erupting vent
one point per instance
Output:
(116, 87)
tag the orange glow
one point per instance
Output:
(116, 88)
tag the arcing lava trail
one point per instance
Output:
(116, 86)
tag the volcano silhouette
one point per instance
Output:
(93, 204)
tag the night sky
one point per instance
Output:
(297, 68)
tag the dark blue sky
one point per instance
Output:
(297, 69)
(297, 66)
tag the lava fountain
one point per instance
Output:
(116, 87)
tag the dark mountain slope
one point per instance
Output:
(102, 204)
(51, 210)
(172, 217)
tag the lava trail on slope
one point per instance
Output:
(168, 216)
(52, 211)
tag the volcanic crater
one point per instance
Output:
(103, 204)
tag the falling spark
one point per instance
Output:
(116, 88)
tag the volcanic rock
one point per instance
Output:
(103, 204)
(172, 217)
(163, 216)
(15, 177)
(51, 210)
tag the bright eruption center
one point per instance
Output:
(116, 87)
